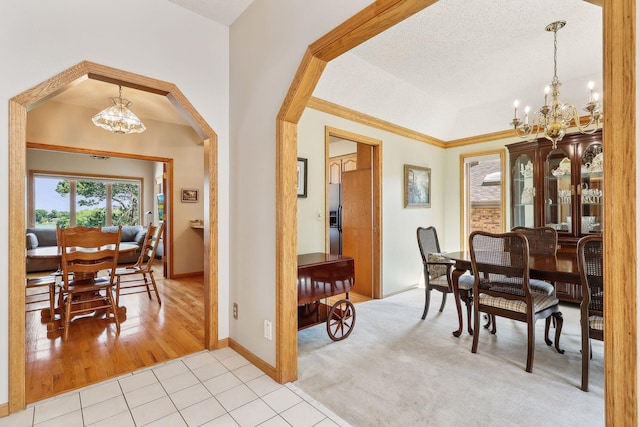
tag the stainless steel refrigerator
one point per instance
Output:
(335, 219)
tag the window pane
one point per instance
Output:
(51, 201)
(91, 202)
(125, 203)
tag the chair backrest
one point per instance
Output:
(591, 273)
(500, 263)
(542, 240)
(428, 244)
(86, 251)
(150, 246)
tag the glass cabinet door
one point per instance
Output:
(523, 192)
(591, 197)
(558, 191)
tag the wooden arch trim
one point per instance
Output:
(18, 108)
(621, 266)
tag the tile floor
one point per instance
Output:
(209, 388)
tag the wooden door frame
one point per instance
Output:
(18, 107)
(619, 134)
(376, 146)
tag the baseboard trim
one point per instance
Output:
(186, 275)
(4, 410)
(259, 363)
(224, 342)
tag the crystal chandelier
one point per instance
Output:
(118, 118)
(554, 119)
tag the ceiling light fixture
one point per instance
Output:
(118, 118)
(554, 119)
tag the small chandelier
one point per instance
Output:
(554, 119)
(118, 118)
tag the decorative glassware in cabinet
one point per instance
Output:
(523, 192)
(558, 191)
(591, 189)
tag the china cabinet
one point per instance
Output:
(560, 188)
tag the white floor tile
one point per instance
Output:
(190, 395)
(236, 397)
(55, 407)
(302, 415)
(222, 383)
(173, 420)
(276, 421)
(18, 419)
(137, 381)
(201, 412)
(327, 423)
(252, 414)
(179, 382)
(223, 421)
(170, 369)
(123, 419)
(69, 419)
(198, 360)
(263, 385)
(100, 393)
(223, 353)
(247, 373)
(153, 411)
(282, 399)
(210, 370)
(105, 409)
(234, 362)
(144, 395)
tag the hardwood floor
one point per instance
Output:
(151, 334)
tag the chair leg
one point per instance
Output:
(444, 300)
(547, 325)
(476, 324)
(67, 315)
(427, 300)
(559, 321)
(493, 324)
(155, 287)
(146, 283)
(531, 339)
(114, 309)
(118, 292)
(467, 302)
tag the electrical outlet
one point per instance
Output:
(235, 310)
(268, 333)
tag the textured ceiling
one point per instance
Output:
(450, 71)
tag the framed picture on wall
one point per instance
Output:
(189, 195)
(302, 177)
(417, 187)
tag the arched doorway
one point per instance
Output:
(18, 107)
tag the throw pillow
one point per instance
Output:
(32, 241)
(437, 270)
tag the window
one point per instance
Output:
(69, 201)
(482, 191)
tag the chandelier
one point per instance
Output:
(553, 120)
(118, 118)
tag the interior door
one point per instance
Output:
(357, 226)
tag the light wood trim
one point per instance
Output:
(18, 107)
(369, 22)
(224, 342)
(211, 243)
(620, 260)
(80, 150)
(4, 410)
(351, 136)
(17, 258)
(477, 139)
(358, 117)
(259, 363)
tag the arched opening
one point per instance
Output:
(18, 107)
(619, 77)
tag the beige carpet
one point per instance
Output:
(398, 370)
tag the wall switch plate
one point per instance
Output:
(268, 332)
(235, 310)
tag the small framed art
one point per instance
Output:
(417, 187)
(189, 195)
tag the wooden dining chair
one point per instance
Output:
(437, 273)
(590, 266)
(133, 279)
(500, 264)
(85, 252)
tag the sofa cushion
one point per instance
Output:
(46, 236)
(32, 241)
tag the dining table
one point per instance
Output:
(562, 267)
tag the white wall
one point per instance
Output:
(164, 41)
(267, 44)
(401, 263)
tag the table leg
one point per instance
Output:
(455, 275)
